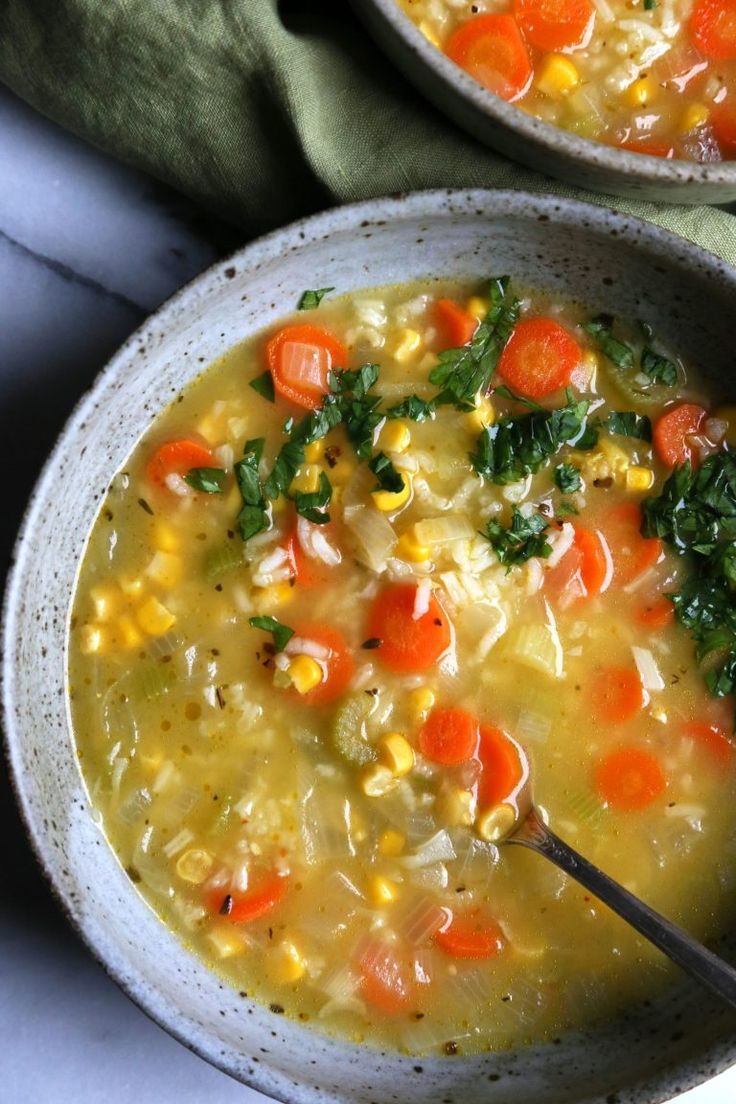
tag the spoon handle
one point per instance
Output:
(706, 967)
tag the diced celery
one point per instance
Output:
(223, 559)
(149, 681)
(349, 736)
(585, 807)
(538, 647)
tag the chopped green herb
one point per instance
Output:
(523, 539)
(414, 408)
(628, 424)
(658, 368)
(516, 447)
(282, 634)
(311, 299)
(208, 480)
(263, 384)
(358, 409)
(465, 372)
(650, 5)
(312, 505)
(388, 477)
(253, 516)
(565, 508)
(567, 478)
(599, 328)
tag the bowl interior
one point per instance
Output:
(586, 253)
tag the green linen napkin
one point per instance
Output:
(263, 111)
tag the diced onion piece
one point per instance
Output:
(532, 726)
(444, 529)
(646, 665)
(433, 877)
(422, 921)
(374, 535)
(438, 848)
(178, 843)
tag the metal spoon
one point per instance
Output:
(707, 968)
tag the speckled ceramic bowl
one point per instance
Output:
(590, 253)
(541, 146)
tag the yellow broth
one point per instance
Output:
(657, 78)
(217, 781)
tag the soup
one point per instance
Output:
(651, 76)
(368, 577)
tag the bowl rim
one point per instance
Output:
(642, 168)
(429, 204)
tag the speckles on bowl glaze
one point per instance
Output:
(551, 243)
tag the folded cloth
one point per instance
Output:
(262, 110)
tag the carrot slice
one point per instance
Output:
(455, 325)
(539, 358)
(471, 935)
(300, 359)
(632, 554)
(555, 24)
(672, 430)
(656, 614)
(305, 571)
(629, 779)
(490, 48)
(713, 28)
(408, 644)
(617, 695)
(177, 458)
(384, 982)
(713, 738)
(449, 736)
(595, 565)
(340, 664)
(241, 908)
(504, 766)
(723, 121)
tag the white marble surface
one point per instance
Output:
(87, 249)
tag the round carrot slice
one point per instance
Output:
(713, 28)
(672, 431)
(384, 982)
(455, 326)
(617, 695)
(340, 665)
(241, 908)
(629, 779)
(656, 614)
(408, 643)
(711, 737)
(555, 24)
(503, 766)
(490, 48)
(449, 736)
(471, 935)
(300, 359)
(632, 554)
(539, 358)
(177, 458)
(596, 568)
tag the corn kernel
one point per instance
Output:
(397, 753)
(287, 964)
(477, 306)
(314, 451)
(391, 843)
(305, 673)
(306, 480)
(91, 640)
(271, 597)
(421, 701)
(484, 415)
(639, 479)
(381, 891)
(410, 549)
(727, 414)
(389, 501)
(641, 92)
(342, 472)
(496, 822)
(558, 75)
(131, 585)
(226, 941)
(405, 345)
(104, 602)
(154, 618)
(429, 33)
(164, 536)
(456, 806)
(165, 569)
(394, 437)
(695, 115)
(128, 634)
(377, 780)
(194, 865)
